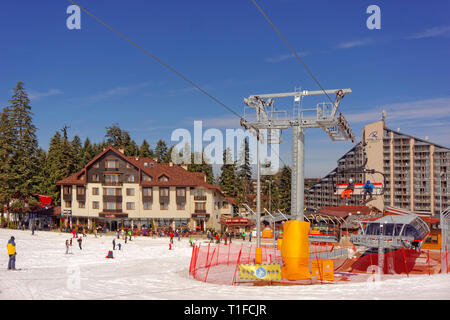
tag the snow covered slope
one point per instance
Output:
(146, 269)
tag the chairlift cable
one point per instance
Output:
(158, 60)
(166, 66)
(293, 51)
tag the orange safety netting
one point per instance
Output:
(219, 263)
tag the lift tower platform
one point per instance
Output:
(324, 116)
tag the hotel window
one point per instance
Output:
(67, 189)
(95, 178)
(96, 165)
(112, 164)
(130, 192)
(131, 178)
(146, 178)
(112, 178)
(112, 191)
(200, 206)
(129, 166)
(181, 192)
(181, 205)
(147, 192)
(164, 204)
(80, 191)
(95, 204)
(95, 191)
(163, 178)
(147, 205)
(163, 192)
(113, 205)
(81, 204)
(199, 192)
(130, 205)
(68, 204)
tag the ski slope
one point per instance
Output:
(146, 269)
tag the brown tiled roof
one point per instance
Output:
(177, 175)
(231, 200)
(72, 180)
(343, 211)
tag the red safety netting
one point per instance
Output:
(219, 263)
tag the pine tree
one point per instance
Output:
(88, 152)
(168, 156)
(284, 187)
(270, 198)
(119, 138)
(68, 161)
(204, 167)
(6, 159)
(145, 151)
(161, 151)
(43, 174)
(131, 148)
(54, 167)
(246, 190)
(114, 136)
(228, 178)
(25, 165)
(77, 152)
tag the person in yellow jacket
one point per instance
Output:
(11, 246)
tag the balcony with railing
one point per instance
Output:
(112, 183)
(112, 210)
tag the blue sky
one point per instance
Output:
(91, 78)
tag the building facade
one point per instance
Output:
(115, 190)
(416, 172)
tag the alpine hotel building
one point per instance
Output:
(114, 190)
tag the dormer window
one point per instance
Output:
(145, 164)
(112, 164)
(163, 179)
(146, 177)
(151, 164)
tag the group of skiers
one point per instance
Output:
(69, 244)
(367, 189)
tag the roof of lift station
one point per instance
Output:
(345, 211)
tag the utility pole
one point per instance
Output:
(258, 195)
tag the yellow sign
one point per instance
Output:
(270, 271)
(322, 269)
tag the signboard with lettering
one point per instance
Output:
(234, 220)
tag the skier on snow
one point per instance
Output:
(11, 246)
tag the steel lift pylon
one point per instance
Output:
(266, 117)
